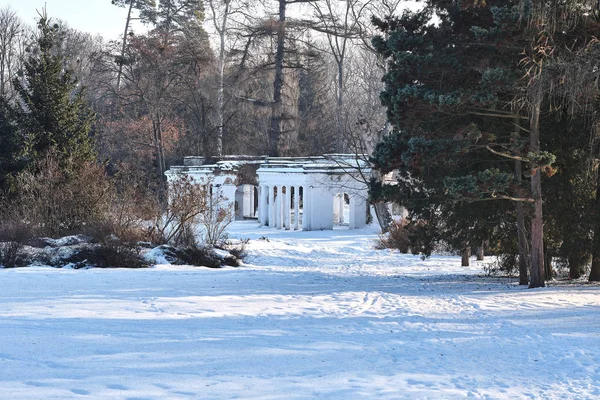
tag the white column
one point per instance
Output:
(262, 205)
(271, 214)
(342, 201)
(228, 191)
(358, 212)
(352, 222)
(278, 206)
(252, 203)
(287, 207)
(306, 203)
(296, 207)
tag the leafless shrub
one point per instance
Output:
(60, 199)
(504, 265)
(14, 233)
(187, 202)
(398, 237)
(216, 219)
(237, 250)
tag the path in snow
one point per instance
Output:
(311, 315)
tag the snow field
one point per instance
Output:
(311, 315)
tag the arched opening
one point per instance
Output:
(246, 202)
(341, 209)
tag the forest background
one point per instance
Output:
(491, 112)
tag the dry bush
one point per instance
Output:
(14, 233)
(108, 254)
(192, 204)
(176, 225)
(504, 265)
(199, 256)
(61, 198)
(398, 237)
(216, 219)
(237, 250)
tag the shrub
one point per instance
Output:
(61, 198)
(13, 235)
(398, 237)
(216, 218)
(505, 264)
(237, 250)
(199, 256)
(191, 204)
(114, 254)
(176, 225)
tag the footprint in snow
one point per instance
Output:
(117, 387)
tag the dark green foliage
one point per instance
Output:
(448, 88)
(456, 94)
(569, 192)
(106, 255)
(10, 149)
(51, 111)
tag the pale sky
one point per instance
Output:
(93, 16)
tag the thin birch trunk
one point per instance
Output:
(537, 223)
(276, 107)
(124, 45)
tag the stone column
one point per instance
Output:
(263, 193)
(287, 221)
(278, 204)
(271, 207)
(296, 207)
(306, 203)
(336, 210)
(228, 191)
(352, 222)
(342, 202)
(358, 212)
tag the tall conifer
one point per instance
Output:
(51, 110)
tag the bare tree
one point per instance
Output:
(340, 27)
(11, 32)
(221, 16)
(144, 6)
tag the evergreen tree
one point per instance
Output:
(464, 99)
(51, 110)
(448, 90)
(9, 147)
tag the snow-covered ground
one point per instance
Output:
(311, 315)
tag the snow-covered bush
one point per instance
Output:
(13, 235)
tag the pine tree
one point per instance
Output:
(51, 110)
(448, 90)
(9, 148)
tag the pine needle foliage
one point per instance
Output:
(51, 110)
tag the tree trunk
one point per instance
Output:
(466, 256)
(277, 107)
(481, 252)
(548, 262)
(383, 216)
(340, 107)
(124, 45)
(221, 92)
(160, 167)
(576, 265)
(595, 271)
(521, 231)
(537, 223)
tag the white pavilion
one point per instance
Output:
(309, 193)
